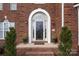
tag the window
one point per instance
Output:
(13, 6)
(1, 6)
(4, 27)
(1, 30)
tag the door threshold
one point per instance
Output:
(39, 42)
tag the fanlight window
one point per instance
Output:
(39, 16)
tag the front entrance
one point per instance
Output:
(39, 26)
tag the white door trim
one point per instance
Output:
(49, 25)
(78, 24)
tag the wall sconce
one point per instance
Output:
(53, 30)
(26, 22)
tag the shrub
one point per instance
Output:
(10, 47)
(65, 41)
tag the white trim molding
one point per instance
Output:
(30, 23)
(39, 3)
(78, 25)
(62, 14)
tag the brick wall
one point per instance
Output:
(70, 18)
(21, 15)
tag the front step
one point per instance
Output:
(39, 53)
(36, 51)
(39, 42)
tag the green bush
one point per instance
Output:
(10, 47)
(65, 41)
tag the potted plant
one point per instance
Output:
(25, 40)
(2, 48)
(54, 40)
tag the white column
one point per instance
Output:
(49, 31)
(62, 14)
(78, 25)
(29, 30)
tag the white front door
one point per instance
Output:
(39, 30)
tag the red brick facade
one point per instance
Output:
(70, 20)
(21, 16)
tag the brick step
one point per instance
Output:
(78, 51)
(36, 51)
(39, 53)
(39, 49)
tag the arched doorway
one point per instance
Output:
(39, 26)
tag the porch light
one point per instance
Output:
(26, 22)
(5, 17)
(53, 30)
